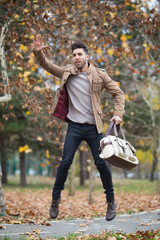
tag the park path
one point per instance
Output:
(127, 223)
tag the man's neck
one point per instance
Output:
(85, 67)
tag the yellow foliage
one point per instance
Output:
(66, 10)
(16, 16)
(112, 14)
(48, 162)
(25, 10)
(57, 82)
(33, 69)
(123, 38)
(126, 97)
(118, 84)
(81, 148)
(145, 14)
(106, 103)
(20, 75)
(47, 73)
(37, 88)
(140, 142)
(26, 73)
(110, 51)
(116, 72)
(23, 149)
(137, 9)
(105, 127)
(23, 48)
(99, 51)
(84, 14)
(31, 37)
(151, 63)
(125, 44)
(47, 154)
(146, 156)
(28, 113)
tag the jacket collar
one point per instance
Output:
(74, 70)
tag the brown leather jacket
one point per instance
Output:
(98, 79)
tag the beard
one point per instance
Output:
(80, 64)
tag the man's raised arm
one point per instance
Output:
(38, 48)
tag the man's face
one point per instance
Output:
(80, 58)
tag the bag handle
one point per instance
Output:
(110, 129)
(116, 128)
(116, 132)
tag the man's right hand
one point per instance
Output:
(38, 43)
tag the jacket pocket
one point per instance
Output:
(97, 85)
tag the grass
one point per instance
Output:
(120, 185)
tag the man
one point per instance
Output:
(77, 101)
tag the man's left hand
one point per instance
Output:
(117, 119)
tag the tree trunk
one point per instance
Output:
(125, 173)
(154, 164)
(158, 158)
(91, 181)
(2, 202)
(3, 161)
(138, 171)
(71, 180)
(22, 164)
(82, 166)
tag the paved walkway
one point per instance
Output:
(128, 223)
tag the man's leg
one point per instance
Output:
(72, 141)
(93, 140)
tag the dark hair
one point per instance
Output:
(79, 44)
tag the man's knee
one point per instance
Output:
(64, 164)
(101, 164)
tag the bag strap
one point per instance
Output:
(110, 129)
(116, 132)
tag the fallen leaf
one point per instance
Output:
(111, 238)
(143, 224)
(3, 227)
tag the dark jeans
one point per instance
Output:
(75, 134)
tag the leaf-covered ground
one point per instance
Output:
(24, 206)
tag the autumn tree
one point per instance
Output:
(122, 37)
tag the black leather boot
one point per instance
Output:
(54, 209)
